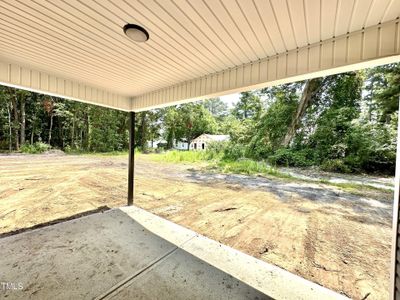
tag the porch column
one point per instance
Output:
(131, 163)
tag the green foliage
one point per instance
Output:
(36, 148)
(216, 107)
(335, 123)
(335, 165)
(215, 150)
(272, 126)
(107, 131)
(246, 166)
(249, 106)
(292, 158)
(186, 122)
(195, 120)
(240, 166)
(372, 147)
(386, 89)
(347, 124)
(176, 156)
(234, 151)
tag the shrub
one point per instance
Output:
(292, 158)
(335, 165)
(234, 151)
(379, 160)
(215, 150)
(36, 148)
(159, 149)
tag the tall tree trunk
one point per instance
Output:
(51, 127)
(370, 100)
(61, 133)
(23, 120)
(9, 127)
(143, 130)
(87, 130)
(32, 133)
(14, 101)
(310, 89)
(73, 131)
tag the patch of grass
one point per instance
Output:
(248, 167)
(216, 163)
(176, 156)
(251, 167)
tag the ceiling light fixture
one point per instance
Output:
(136, 33)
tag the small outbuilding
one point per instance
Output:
(202, 141)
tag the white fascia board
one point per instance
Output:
(27, 78)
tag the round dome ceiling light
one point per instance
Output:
(136, 33)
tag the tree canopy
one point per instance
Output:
(345, 122)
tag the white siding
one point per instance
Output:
(22, 77)
(369, 47)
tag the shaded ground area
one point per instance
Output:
(337, 239)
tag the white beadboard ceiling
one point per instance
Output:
(82, 40)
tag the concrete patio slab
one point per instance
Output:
(183, 276)
(128, 253)
(78, 259)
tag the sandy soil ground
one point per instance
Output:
(337, 239)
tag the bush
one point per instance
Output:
(376, 161)
(335, 165)
(234, 151)
(292, 158)
(215, 150)
(36, 148)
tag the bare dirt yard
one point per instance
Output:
(337, 238)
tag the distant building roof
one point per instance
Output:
(214, 137)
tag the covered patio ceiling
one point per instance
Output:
(197, 48)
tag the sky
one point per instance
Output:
(230, 99)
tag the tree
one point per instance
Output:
(272, 126)
(6, 126)
(171, 125)
(154, 125)
(23, 120)
(384, 90)
(108, 129)
(311, 87)
(16, 124)
(216, 107)
(334, 124)
(344, 122)
(248, 106)
(149, 127)
(195, 120)
(48, 105)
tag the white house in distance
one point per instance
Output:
(180, 145)
(201, 142)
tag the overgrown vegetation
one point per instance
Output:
(340, 123)
(35, 148)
